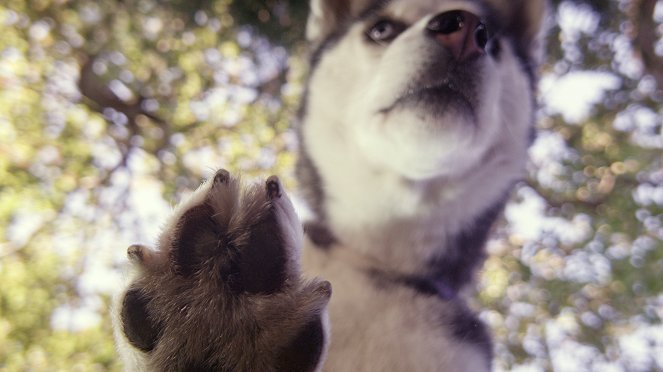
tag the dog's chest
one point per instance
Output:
(380, 326)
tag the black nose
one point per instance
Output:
(462, 33)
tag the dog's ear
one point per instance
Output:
(326, 16)
(527, 23)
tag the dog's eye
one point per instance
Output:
(384, 31)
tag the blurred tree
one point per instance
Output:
(99, 101)
(110, 110)
(585, 293)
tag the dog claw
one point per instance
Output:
(273, 187)
(135, 253)
(325, 289)
(221, 176)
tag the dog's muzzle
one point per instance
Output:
(463, 33)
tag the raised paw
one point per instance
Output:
(227, 294)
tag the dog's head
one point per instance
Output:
(424, 88)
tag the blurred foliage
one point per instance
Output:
(282, 22)
(112, 110)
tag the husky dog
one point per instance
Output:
(223, 292)
(414, 127)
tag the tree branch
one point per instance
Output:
(100, 97)
(645, 38)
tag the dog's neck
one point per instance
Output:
(420, 228)
(418, 253)
(406, 226)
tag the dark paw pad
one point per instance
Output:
(139, 327)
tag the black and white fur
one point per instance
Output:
(408, 155)
(409, 148)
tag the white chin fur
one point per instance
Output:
(418, 147)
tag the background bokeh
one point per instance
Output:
(112, 111)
